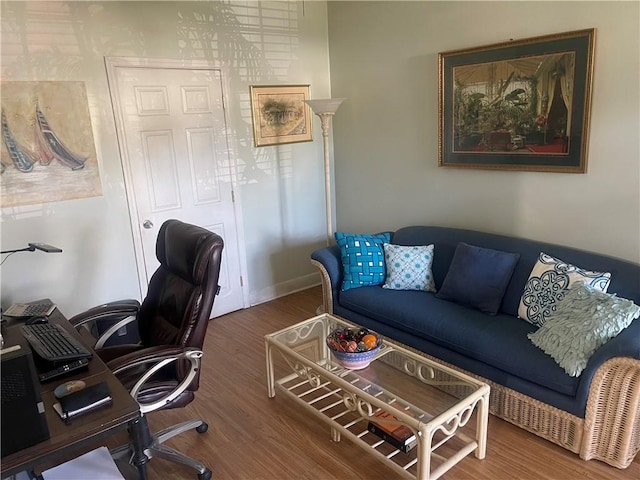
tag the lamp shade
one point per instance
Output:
(325, 106)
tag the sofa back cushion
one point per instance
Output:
(478, 277)
(625, 275)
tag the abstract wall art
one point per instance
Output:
(47, 152)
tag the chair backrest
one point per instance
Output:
(177, 308)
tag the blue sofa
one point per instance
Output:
(596, 414)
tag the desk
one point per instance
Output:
(86, 429)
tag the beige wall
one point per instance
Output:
(384, 59)
(280, 188)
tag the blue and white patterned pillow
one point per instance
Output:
(549, 282)
(362, 258)
(409, 267)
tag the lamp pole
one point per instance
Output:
(325, 109)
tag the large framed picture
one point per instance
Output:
(280, 114)
(518, 105)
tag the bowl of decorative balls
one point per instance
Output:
(354, 349)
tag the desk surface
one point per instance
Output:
(65, 438)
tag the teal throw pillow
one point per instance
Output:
(584, 320)
(478, 277)
(409, 267)
(550, 279)
(362, 258)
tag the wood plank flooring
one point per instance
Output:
(253, 437)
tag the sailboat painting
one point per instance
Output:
(47, 149)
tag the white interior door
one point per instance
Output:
(173, 139)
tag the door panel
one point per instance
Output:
(177, 164)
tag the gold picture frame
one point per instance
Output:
(518, 105)
(280, 115)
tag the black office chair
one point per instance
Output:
(163, 370)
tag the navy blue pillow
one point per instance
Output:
(478, 277)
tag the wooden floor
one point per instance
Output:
(256, 438)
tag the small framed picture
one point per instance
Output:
(280, 114)
(518, 105)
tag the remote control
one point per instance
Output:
(63, 369)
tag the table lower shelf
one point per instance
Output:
(347, 410)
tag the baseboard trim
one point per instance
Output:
(285, 288)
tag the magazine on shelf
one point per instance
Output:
(400, 436)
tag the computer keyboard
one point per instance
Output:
(53, 343)
(35, 309)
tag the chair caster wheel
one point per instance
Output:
(201, 429)
(206, 475)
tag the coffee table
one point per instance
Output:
(434, 401)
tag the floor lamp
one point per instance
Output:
(325, 109)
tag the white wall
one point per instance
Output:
(384, 59)
(281, 188)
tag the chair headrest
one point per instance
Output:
(185, 249)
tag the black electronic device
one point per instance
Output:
(64, 369)
(36, 320)
(31, 309)
(83, 401)
(53, 343)
(24, 421)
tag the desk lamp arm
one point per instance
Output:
(25, 249)
(32, 247)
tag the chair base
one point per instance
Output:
(154, 448)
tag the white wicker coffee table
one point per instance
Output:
(446, 410)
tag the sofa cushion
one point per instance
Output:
(583, 321)
(500, 341)
(409, 268)
(549, 281)
(625, 281)
(362, 258)
(478, 277)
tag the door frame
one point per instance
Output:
(111, 64)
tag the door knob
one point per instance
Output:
(147, 224)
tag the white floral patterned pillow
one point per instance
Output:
(409, 267)
(549, 282)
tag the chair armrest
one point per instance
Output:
(106, 310)
(152, 360)
(121, 313)
(329, 263)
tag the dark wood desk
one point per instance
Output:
(84, 430)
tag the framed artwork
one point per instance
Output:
(518, 105)
(280, 114)
(47, 149)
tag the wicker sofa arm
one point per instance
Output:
(624, 345)
(327, 261)
(612, 421)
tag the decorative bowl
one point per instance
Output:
(349, 350)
